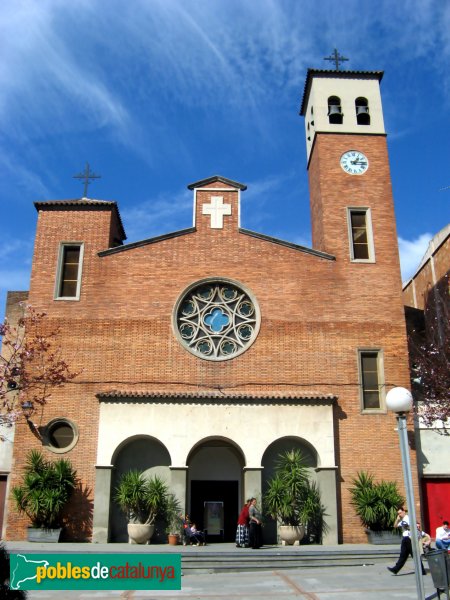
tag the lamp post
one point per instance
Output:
(399, 400)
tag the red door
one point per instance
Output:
(436, 503)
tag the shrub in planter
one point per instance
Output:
(292, 499)
(375, 503)
(45, 490)
(143, 500)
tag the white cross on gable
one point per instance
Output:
(217, 209)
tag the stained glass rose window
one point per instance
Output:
(216, 319)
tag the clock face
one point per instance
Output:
(354, 162)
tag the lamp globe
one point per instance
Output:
(399, 400)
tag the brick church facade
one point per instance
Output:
(206, 352)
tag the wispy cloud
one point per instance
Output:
(15, 266)
(163, 214)
(27, 179)
(46, 83)
(100, 66)
(411, 253)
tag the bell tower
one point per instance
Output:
(352, 209)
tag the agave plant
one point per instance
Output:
(45, 490)
(292, 499)
(375, 504)
(142, 499)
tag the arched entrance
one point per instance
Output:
(269, 461)
(143, 454)
(215, 488)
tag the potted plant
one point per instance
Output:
(45, 491)
(142, 499)
(174, 520)
(294, 501)
(376, 505)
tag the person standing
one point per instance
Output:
(402, 522)
(255, 519)
(242, 531)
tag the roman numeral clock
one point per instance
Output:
(354, 162)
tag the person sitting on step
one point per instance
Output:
(196, 537)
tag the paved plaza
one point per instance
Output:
(370, 582)
(334, 583)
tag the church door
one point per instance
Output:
(215, 489)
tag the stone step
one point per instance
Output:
(249, 560)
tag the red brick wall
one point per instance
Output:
(315, 314)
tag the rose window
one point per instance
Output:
(216, 320)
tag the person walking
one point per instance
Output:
(242, 531)
(402, 522)
(255, 519)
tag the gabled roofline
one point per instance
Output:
(181, 232)
(333, 73)
(274, 240)
(83, 204)
(214, 179)
(146, 242)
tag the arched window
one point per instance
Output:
(335, 115)
(362, 111)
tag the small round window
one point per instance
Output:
(216, 319)
(61, 435)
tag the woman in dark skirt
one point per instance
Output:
(255, 518)
(242, 527)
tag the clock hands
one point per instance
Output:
(354, 162)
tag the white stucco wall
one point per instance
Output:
(347, 90)
(180, 427)
(434, 453)
(6, 448)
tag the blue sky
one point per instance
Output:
(156, 94)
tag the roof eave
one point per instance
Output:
(215, 179)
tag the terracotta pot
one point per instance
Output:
(174, 539)
(139, 533)
(291, 534)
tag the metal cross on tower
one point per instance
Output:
(336, 58)
(87, 175)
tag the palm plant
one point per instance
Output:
(292, 499)
(45, 490)
(142, 499)
(375, 504)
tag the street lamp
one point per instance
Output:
(27, 409)
(399, 400)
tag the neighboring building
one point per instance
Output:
(207, 351)
(426, 298)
